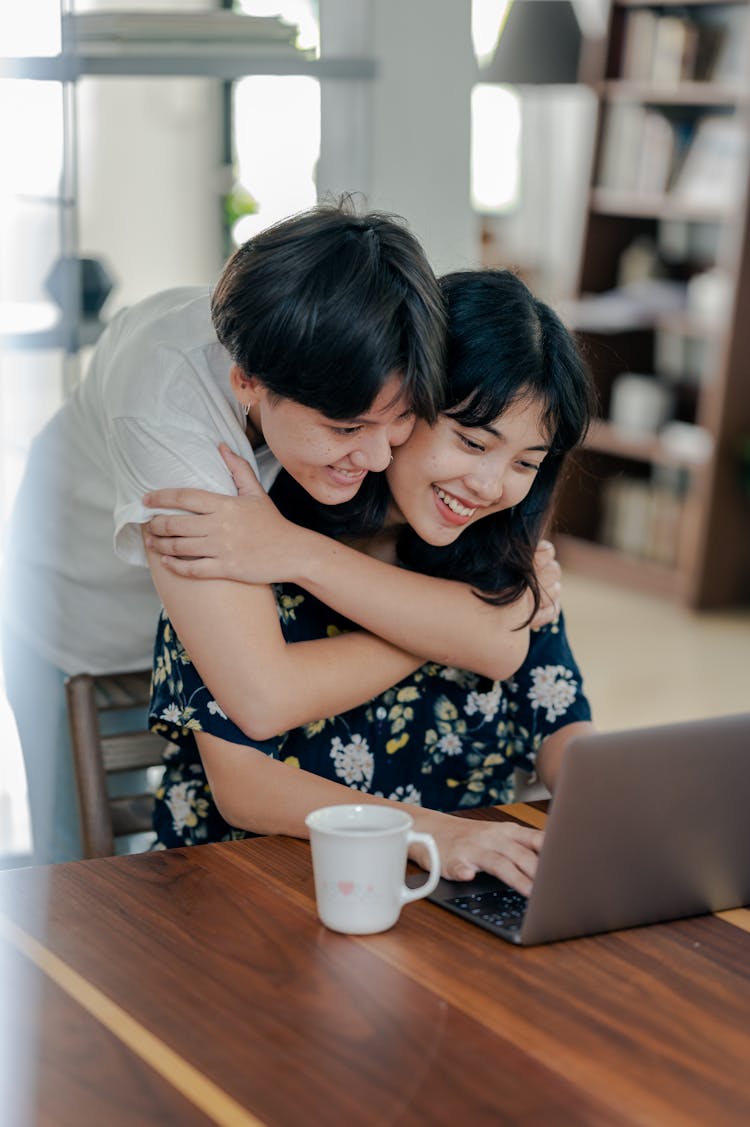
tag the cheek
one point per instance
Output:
(520, 489)
(514, 492)
(439, 466)
(402, 431)
(312, 447)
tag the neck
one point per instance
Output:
(253, 428)
(382, 545)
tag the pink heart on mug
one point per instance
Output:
(346, 887)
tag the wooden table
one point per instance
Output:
(197, 986)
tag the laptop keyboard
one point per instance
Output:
(501, 908)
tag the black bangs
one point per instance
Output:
(486, 405)
(483, 406)
(325, 306)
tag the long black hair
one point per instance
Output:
(506, 346)
(503, 346)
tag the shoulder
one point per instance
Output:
(162, 346)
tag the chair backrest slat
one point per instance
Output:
(95, 757)
(131, 751)
(122, 690)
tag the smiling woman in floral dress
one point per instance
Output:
(469, 498)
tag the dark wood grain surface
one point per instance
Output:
(216, 995)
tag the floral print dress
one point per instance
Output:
(443, 738)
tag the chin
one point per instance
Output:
(439, 538)
(328, 496)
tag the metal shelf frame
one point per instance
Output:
(221, 61)
(173, 64)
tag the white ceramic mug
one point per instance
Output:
(359, 858)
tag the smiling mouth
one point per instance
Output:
(351, 475)
(453, 503)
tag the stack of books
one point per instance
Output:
(666, 48)
(177, 32)
(641, 518)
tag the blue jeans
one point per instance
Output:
(36, 693)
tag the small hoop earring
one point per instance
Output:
(246, 409)
(391, 459)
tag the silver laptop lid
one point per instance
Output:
(646, 825)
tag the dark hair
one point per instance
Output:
(325, 305)
(505, 346)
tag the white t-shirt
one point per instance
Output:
(151, 412)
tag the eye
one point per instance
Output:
(406, 416)
(470, 444)
(533, 467)
(346, 431)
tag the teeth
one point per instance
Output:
(353, 474)
(454, 505)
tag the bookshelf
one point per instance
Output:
(656, 499)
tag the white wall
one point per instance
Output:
(148, 180)
(403, 139)
(148, 176)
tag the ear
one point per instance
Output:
(247, 389)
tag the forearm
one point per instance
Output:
(441, 619)
(550, 755)
(331, 675)
(257, 793)
(232, 634)
(245, 538)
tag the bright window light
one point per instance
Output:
(487, 20)
(30, 27)
(277, 128)
(303, 13)
(495, 148)
(277, 143)
(30, 109)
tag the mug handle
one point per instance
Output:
(409, 894)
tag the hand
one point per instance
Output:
(548, 573)
(508, 851)
(218, 537)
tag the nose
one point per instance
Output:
(487, 484)
(373, 450)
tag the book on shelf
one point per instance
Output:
(642, 519)
(668, 47)
(640, 150)
(675, 45)
(723, 48)
(638, 44)
(714, 167)
(177, 28)
(699, 161)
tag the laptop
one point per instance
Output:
(645, 825)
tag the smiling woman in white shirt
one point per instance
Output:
(340, 313)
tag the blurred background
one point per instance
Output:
(598, 149)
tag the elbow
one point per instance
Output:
(235, 806)
(503, 664)
(229, 808)
(265, 726)
(261, 718)
(226, 767)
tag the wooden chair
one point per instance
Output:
(98, 757)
